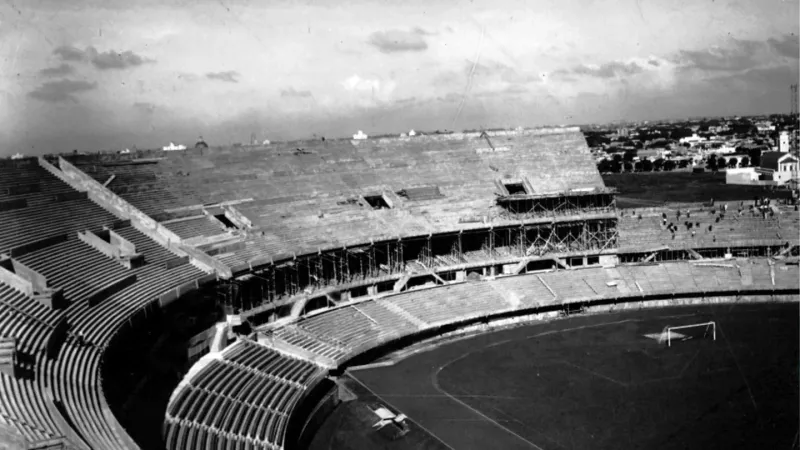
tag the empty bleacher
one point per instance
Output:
(643, 229)
(243, 398)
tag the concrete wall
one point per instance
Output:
(99, 244)
(9, 276)
(116, 205)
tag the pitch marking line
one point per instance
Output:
(599, 375)
(435, 383)
(407, 418)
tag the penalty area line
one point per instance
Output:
(397, 409)
(435, 383)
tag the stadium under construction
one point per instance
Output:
(221, 297)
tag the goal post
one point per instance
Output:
(669, 333)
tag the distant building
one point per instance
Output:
(265, 142)
(783, 142)
(723, 150)
(693, 139)
(782, 166)
(765, 126)
(360, 135)
(745, 175)
(173, 147)
(18, 156)
(718, 129)
(652, 154)
(412, 133)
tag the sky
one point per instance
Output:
(111, 74)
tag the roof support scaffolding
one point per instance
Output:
(423, 257)
(520, 207)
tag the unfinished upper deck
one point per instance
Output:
(316, 194)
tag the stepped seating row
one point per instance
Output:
(317, 345)
(100, 322)
(141, 185)
(22, 226)
(464, 300)
(257, 357)
(452, 303)
(240, 401)
(75, 381)
(356, 328)
(76, 267)
(386, 317)
(526, 290)
(201, 226)
(31, 320)
(568, 284)
(22, 407)
(32, 183)
(75, 375)
(377, 323)
(649, 231)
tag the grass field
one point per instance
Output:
(638, 190)
(597, 382)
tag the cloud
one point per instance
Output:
(737, 55)
(292, 93)
(145, 107)
(356, 83)
(451, 97)
(113, 60)
(63, 69)
(788, 46)
(370, 90)
(499, 70)
(101, 60)
(447, 78)
(185, 76)
(607, 70)
(395, 41)
(229, 76)
(67, 53)
(61, 90)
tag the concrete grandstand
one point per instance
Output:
(328, 250)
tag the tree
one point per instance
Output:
(712, 164)
(745, 162)
(669, 165)
(680, 133)
(684, 163)
(732, 163)
(658, 164)
(628, 166)
(629, 155)
(637, 167)
(755, 156)
(647, 166)
(722, 163)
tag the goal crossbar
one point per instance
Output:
(668, 330)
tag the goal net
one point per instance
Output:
(705, 330)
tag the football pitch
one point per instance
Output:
(599, 382)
